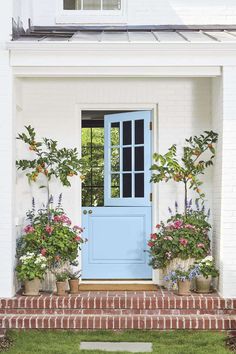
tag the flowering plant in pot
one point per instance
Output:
(73, 277)
(181, 240)
(61, 278)
(31, 269)
(206, 271)
(50, 232)
(182, 278)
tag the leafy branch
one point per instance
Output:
(190, 166)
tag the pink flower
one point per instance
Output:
(29, 229)
(78, 228)
(49, 229)
(62, 218)
(201, 245)
(177, 224)
(78, 239)
(43, 251)
(183, 241)
(153, 237)
(158, 226)
(151, 244)
(168, 238)
(190, 227)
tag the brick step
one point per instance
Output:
(118, 301)
(90, 322)
(155, 312)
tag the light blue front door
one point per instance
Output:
(117, 232)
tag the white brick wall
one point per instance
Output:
(224, 118)
(147, 11)
(7, 244)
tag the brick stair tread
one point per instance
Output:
(162, 322)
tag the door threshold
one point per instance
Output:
(117, 286)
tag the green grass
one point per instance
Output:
(62, 342)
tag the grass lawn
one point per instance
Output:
(179, 342)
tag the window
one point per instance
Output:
(94, 5)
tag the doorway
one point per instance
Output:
(116, 189)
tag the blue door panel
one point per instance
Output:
(117, 241)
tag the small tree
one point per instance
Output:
(190, 166)
(48, 160)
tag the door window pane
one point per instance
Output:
(127, 159)
(111, 4)
(139, 158)
(115, 134)
(139, 132)
(127, 133)
(91, 4)
(72, 4)
(127, 185)
(139, 185)
(115, 186)
(115, 160)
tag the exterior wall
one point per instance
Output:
(50, 105)
(224, 91)
(151, 12)
(7, 244)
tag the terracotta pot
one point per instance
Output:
(32, 287)
(61, 288)
(184, 287)
(203, 285)
(74, 286)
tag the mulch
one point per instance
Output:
(231, 343)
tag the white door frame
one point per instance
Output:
(80, 107)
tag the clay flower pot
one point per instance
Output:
(74, 286)
(61, 288)
(203, 285)
(32, 287)
(184, 287)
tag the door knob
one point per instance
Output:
(85, 212)
(90, 212)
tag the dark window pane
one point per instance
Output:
(127, 159)
(72, 4)
(139, 185)
(139, 158)
(127, 185)
(92, 4)
(111, 4)
(139, 132)
(127, 133)
(86, 197)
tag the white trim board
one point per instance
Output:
(117, 71)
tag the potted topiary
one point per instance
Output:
(61, 277)
(206, 272)
(31, 269)
(182, 278)
(73, 278)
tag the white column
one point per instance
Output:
(7, 168)
(224, 192)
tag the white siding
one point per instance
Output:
(7, 242)
(143, 12)
(50, 106)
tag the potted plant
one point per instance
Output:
(206, 272)
(61, 278)
(181, 240)
(31, 269)
(73, 277)
(182, 278)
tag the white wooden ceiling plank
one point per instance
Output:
(169, 36)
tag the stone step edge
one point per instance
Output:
(118, 322)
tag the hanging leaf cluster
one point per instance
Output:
(198, 154)
(48, 159)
